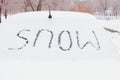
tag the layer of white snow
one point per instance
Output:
(114, 25)
(35, 36)
(21, 61)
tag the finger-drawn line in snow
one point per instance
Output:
(59, 39)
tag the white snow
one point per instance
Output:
(115, 25)
(56, 40)
(58, 33)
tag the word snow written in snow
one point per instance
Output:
(59, 39)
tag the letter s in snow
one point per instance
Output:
(26, 40)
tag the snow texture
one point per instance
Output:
(75, 42)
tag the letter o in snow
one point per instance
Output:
(60, 43)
